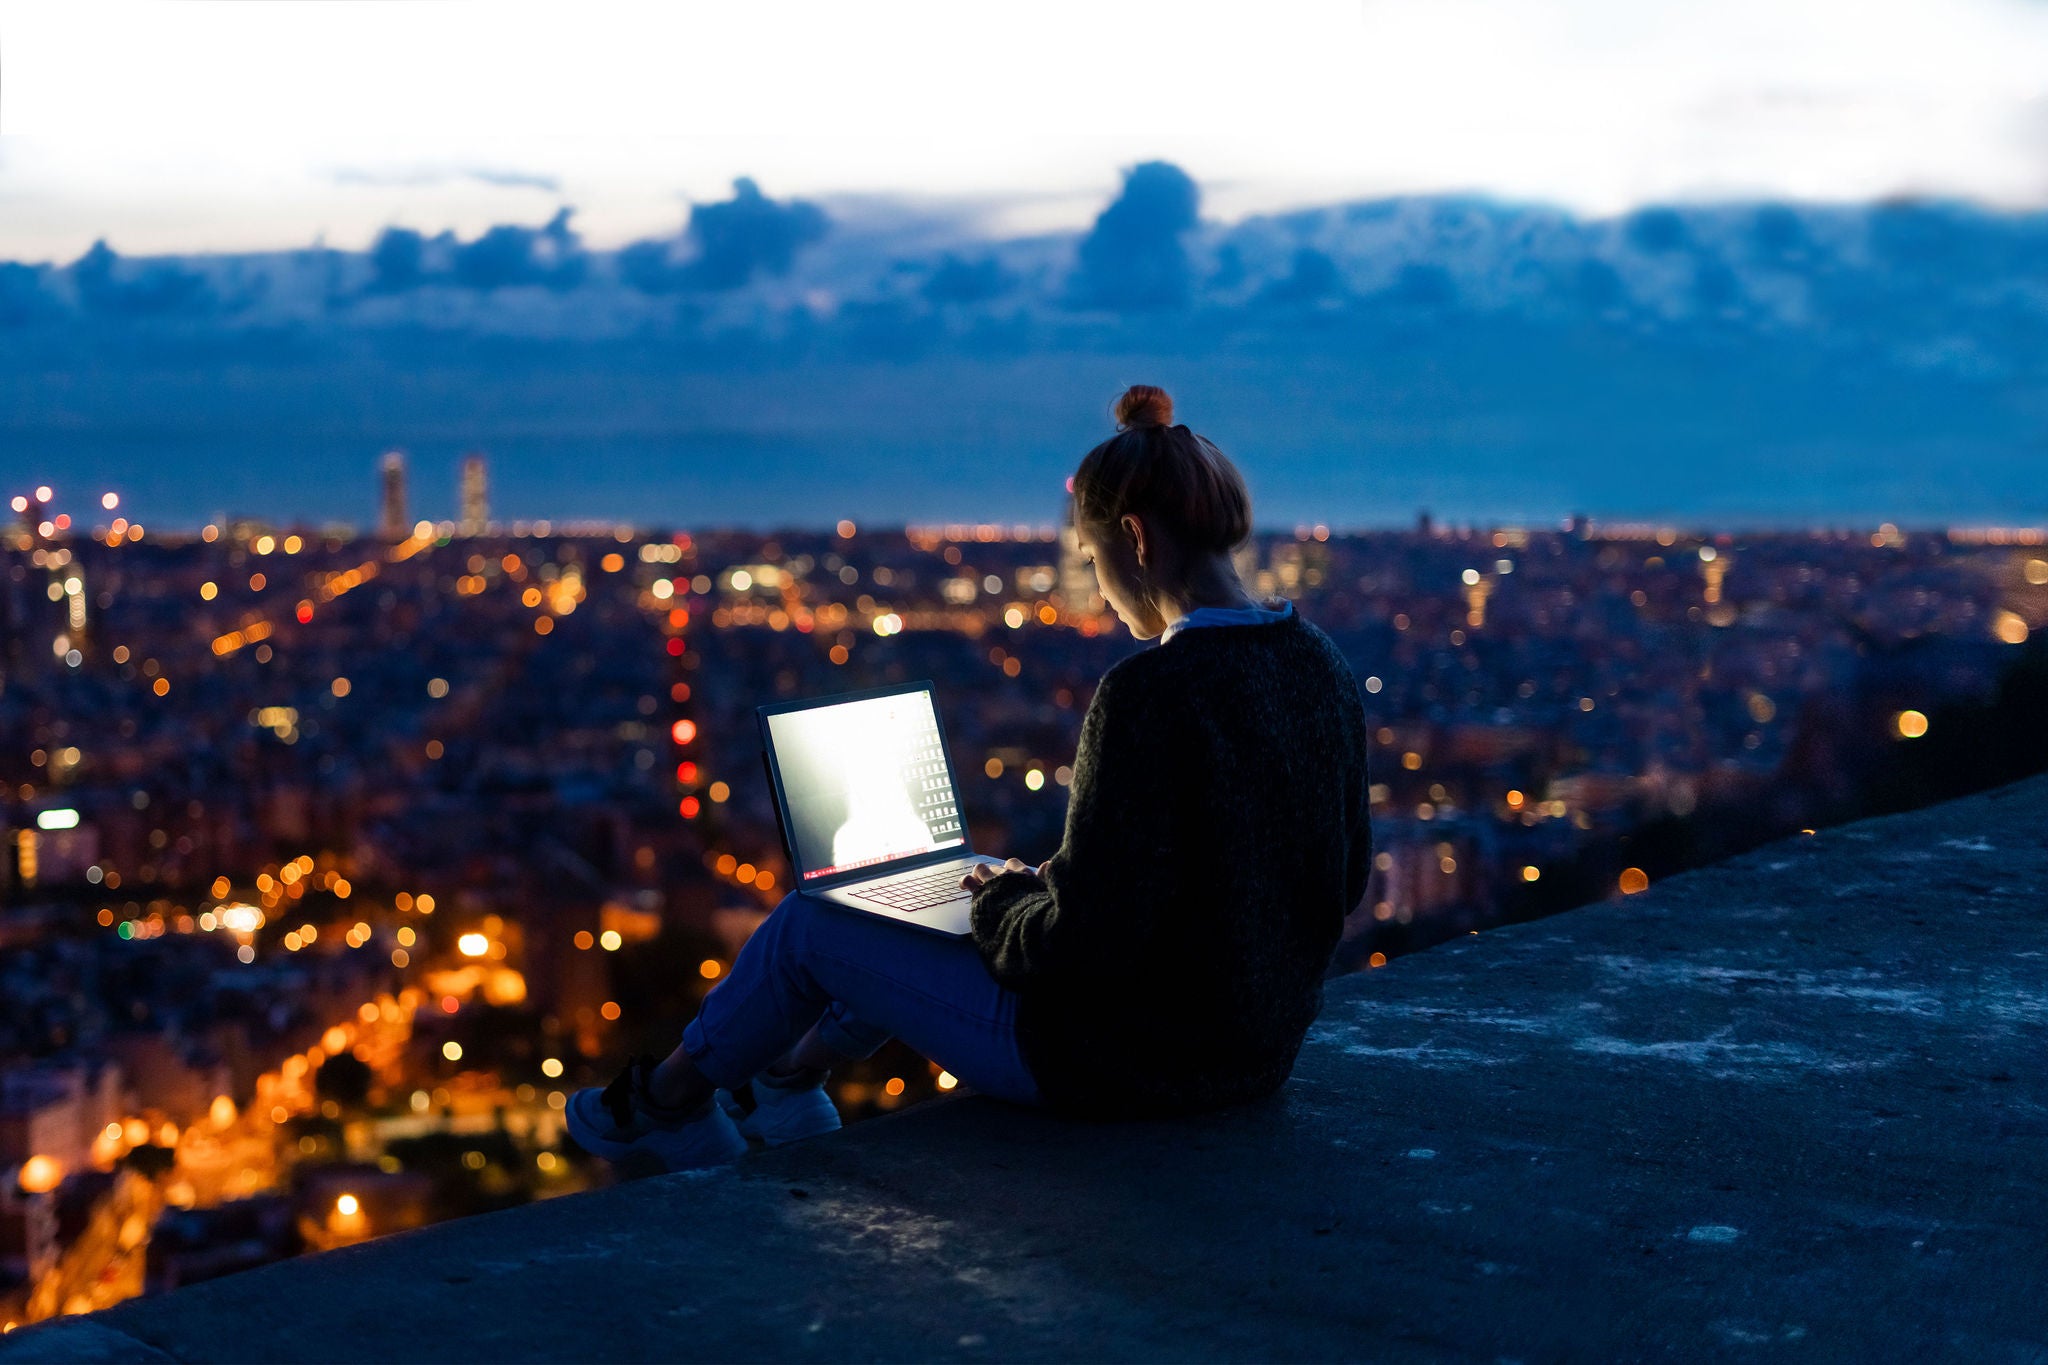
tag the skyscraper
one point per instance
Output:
(391, 519)
(476, 495)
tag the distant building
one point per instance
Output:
(55, 1110)
(1286, 566)
(1476, 593)
(1076, 579)
(476, 496)
(391, 518)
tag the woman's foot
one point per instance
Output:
(625, 1125)
(782, 1109)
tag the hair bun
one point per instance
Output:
(1144, 405)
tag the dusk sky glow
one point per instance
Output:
(1760, 261)
(213, 126)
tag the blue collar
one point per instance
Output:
(1228, 616)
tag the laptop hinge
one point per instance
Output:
(879, 871)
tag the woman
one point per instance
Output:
(1169, 957)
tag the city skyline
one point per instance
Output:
(330, 865)
(434, 435)
(393, 511)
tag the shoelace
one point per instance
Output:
(618, 1096)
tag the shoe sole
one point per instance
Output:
(749, 1127)
(635, 1158)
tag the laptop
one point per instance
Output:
(865, 795)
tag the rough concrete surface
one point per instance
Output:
(1794, 1106)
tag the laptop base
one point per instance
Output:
(950, 917)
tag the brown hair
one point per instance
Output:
(1176, 479)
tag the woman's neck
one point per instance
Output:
(1214, 583)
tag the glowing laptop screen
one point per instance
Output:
(865, 781)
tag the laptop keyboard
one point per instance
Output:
(919, 893)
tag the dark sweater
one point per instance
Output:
(1217, 835)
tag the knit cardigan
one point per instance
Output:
(1217, 834)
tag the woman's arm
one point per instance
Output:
(1094, 911)
(1358, 812)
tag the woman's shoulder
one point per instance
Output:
(1193, 660)
(1129, 675)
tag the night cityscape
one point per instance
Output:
(471, 475)
(334, 859)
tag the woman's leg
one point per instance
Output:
(849, 981)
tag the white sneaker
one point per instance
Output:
(779, 1114)
(615, 1123)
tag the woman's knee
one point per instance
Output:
(787, 928)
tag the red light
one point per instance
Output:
(684, 731)
(686, 771)
(1070, 483)
(675, 647)
(680, 692)
(305, 612)
(449, 1004)
(63, 521)
(689, 808)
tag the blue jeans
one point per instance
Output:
(862, 980)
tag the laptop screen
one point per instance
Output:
(866, 782)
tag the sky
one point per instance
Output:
(1743, 262)
(210, 126)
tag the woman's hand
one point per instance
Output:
(981, 874)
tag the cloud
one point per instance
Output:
(1418, 285)
(1578, 342)
(886, 330)
(420, 176)
(526, 180)
(1597, 287)
(1312, 277)
(959, 281)
(1715, 288)
(750, 233)
(1230, 267)
(1871, 279)
(157, 290)
(1939, 244)
(397, 261)
(649, 267)
(502, 257)
(509, 255)
(1134, 258)
(1777, 236)
(732, 241)
(23, 295)
(1657, 230)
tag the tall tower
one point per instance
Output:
(476, 495)
(1478, 587)
(391, 514)
(1714, 567)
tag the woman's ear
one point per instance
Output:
(1136, 530)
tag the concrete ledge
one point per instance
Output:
(1791, 1106)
